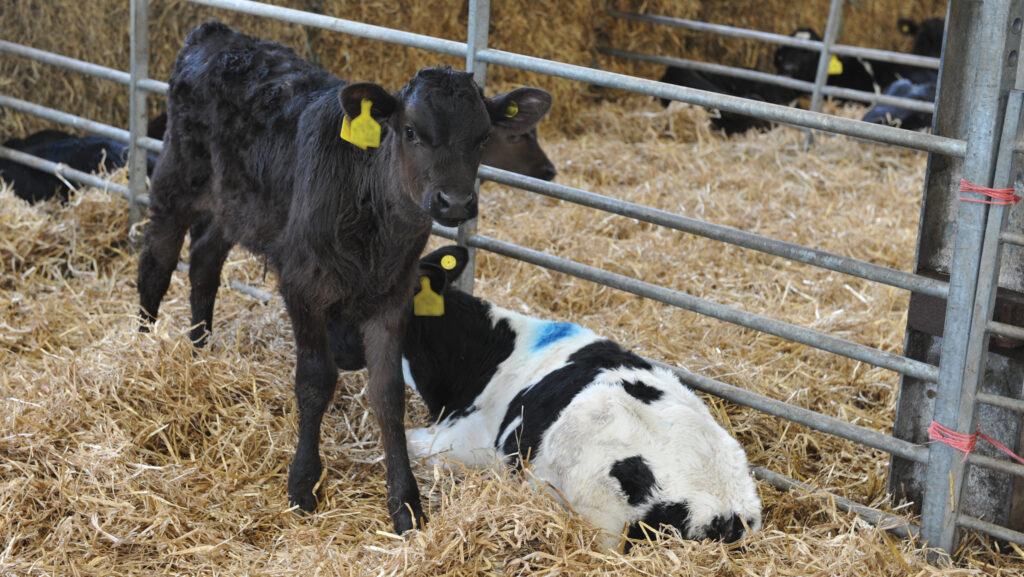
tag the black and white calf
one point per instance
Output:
(624, 442)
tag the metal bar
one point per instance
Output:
(992, 529)
(835, 16)
(773, 112)
(958, 370)
(761, 323)
(792, 83)
(64, 170)
(1005, 330)
(151, 85)
(1001, 402)
(895, 525)
(1001, 465)
(137, 155)
(350, 27)
(838, 49)
(477, 36)
(75, 65)
(806, 417)
(71, 120)
(1012, 237)
(791, 251)
(150, 144)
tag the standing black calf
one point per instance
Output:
(253, 157)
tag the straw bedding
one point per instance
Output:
(129, 454)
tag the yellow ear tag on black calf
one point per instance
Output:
(362, 131)
(835, 66)
(512, 110)
(427, 303)
(448, 262)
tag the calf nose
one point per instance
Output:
(451, 207)
(548, 172)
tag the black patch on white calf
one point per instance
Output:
(675, 515)
(453, 357)
(642, 391)
(635, 478)
(540, 404)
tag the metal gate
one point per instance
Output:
(982, 145)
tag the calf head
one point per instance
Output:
(799, 63)
(519, 153)
(437, 128)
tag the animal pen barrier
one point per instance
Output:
(987, 107)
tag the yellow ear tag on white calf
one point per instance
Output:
(448, 262)
(362, 131)
(835, 67)
(427, 303)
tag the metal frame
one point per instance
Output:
(968, 293)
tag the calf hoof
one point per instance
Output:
(410, 516)
(300, 487)
(306, 503)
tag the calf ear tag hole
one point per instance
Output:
(448, 262)
(427, 303)
(512, 110)
(362, 131)
(835, 67)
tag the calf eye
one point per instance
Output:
(410, 133)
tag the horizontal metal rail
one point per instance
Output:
(75, 65)
(997, 531)
(1012, 237)
(43, 165)
(772, 38)
(1001, 402)
(1001, 465)
(728, 234)
(1006, 330)
(350, 27)
(773, 112)
(887, 522)
(786, 82)
(98, 128)
(705, 307)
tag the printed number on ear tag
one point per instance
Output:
(427, 303)
(362, 131)
(835, 67)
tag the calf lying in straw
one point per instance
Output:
(624, 443)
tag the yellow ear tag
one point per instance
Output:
(448, 262)
(512, 110)
(362, 131)
(906, 29)
(835, 66)
(427, 303)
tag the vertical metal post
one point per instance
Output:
(479, 22)
(139, 70)
(988, 77)
(835, 17)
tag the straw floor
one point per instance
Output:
(129, 454)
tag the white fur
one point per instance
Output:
(693, 459)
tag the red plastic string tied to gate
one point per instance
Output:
(999, 196)
(965, 443)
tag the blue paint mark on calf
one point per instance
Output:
(551, 332)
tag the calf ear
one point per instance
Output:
(444, 265)
(518, 111)
(352, 96)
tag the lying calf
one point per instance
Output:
(623, 442)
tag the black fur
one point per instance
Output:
(642, 391)
(540, 405)
(252, 156)
(675, 515)
(636, 479)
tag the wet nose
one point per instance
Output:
(548, 172)
(454, 207)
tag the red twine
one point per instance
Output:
(999, 196)
(965, 443)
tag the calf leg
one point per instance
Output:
(170, 218)
(315, 380)
(206, 260)
(383, 337)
